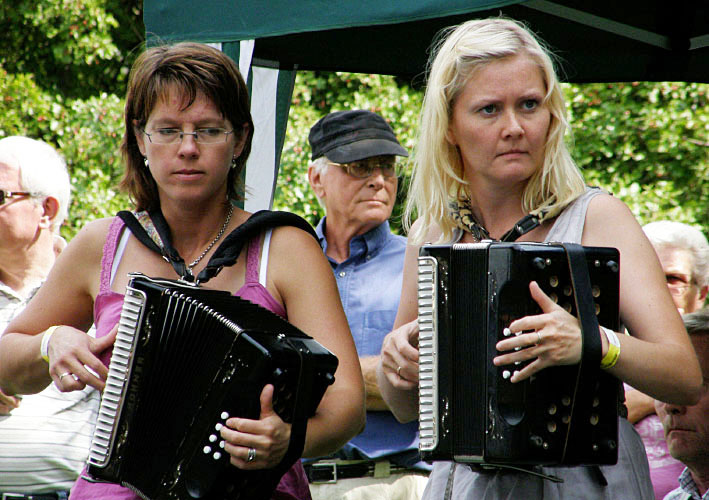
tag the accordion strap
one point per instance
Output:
(591, 348)
(226, 254)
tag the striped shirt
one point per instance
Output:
(44, 442)
(687, 489)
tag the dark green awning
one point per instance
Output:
(599, 40)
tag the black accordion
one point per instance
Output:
(469, 411)
(186, 359)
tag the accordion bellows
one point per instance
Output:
(185, 360)
(469, 411)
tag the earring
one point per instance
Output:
(145, 160)
(233, 162)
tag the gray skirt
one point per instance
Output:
(629, 479)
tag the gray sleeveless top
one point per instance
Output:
(629, 479)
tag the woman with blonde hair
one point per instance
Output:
(491, 163)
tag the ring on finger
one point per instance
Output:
(65, 374)
(251, 456)
(398, 371)
(539, 337)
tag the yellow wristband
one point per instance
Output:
(611, 357)
(44, 347)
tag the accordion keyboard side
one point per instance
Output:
(428, 339)
(118, 375)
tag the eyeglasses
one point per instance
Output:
(210, 135)
(4, 195)
(364, 168)
(678, 284)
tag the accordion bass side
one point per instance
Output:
(186, 359)
(469, 411)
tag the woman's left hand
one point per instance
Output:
(257, 444)
(551, 338)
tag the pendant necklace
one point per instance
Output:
(214, 241)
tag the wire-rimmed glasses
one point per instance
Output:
(207, 135)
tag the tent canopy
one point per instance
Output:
(596, 41)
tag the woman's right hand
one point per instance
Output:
(400, 356)
(74, 361)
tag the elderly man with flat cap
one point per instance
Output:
(354, 175)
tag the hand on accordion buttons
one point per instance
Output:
(257, 444)
(73, 359)
(548, 339)
(399, 356)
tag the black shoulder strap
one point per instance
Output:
(167, 251)
(591, 348)
(227, 253)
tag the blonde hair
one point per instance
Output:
(438, 171)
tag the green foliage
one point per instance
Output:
(86, 132)
(648, 143)
(76, 48)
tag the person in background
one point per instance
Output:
(684, 255)
(686, 427)
(44, 437)
(187, 136)
(354, 175)
(490, 155)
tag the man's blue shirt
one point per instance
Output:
(369, 282)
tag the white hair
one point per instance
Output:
(42, 171)
(670, 234)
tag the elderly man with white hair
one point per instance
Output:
(684, 255)
(44, 438)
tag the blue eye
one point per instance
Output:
(168, 132)
(530, 104)
(489, 109)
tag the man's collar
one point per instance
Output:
(373, 239)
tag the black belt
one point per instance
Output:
(60, 495)
(332, 471)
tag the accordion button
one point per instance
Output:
(506, 374)
(224, 415)
(212, 438)
(506, 332)
(217, 455)
(219, 426)
(207, 450)
(222, 444)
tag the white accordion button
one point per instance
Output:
(506, 374)
(212, 438)
(224, 415)
(506, 332)
(218, 427)
(207, 450)
(221, 444)
(217, 455)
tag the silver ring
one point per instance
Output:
(539, 337)
(251, 456)
(63, 375)
(398, 372)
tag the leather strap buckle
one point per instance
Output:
(323, 473)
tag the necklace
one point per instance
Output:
(463, 217)
(214, 241)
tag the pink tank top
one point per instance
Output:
(107, 311)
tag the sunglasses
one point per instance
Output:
(4, 195)
(365, 168)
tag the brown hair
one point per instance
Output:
(192, 68)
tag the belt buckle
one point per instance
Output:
(324, 466)
(13, 496)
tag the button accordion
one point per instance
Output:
(186, 359)
(469, 411)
